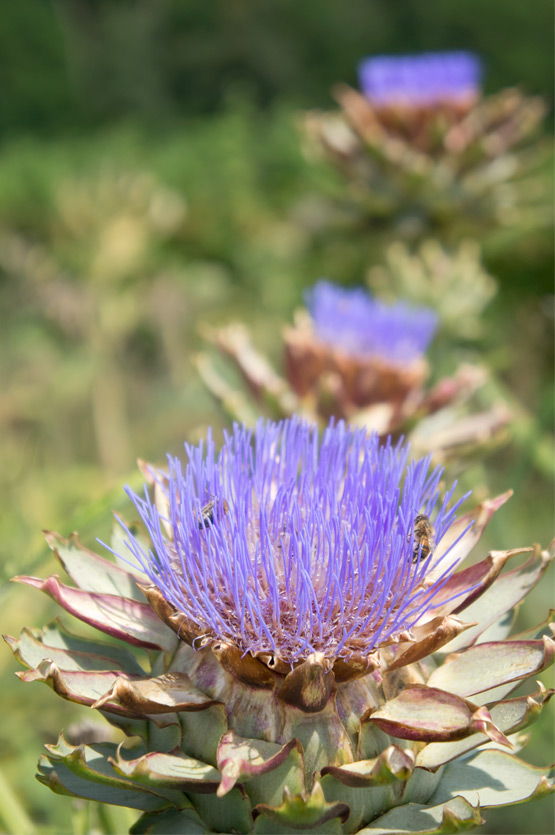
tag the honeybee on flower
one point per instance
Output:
(423, 536)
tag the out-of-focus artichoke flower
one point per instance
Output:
(353, 351)
(435, 79)
(362, 326)
(316, 654)
(353, 357)
(420, 145)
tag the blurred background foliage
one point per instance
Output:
(80, 64)
(153, 179)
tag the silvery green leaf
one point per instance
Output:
(429, 714)
(31, 650)
(83, 687)
(168, 771)
(485, 666)
(61, 780)
(117, 616)
(495, 777)
(301, 812)
(90, 571)
(507, 590)
(455, 815)
(509, 717)
(264, 768)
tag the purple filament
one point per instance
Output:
(350, 319)
(313, 549)
(426, 79)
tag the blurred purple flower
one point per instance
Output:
(308, 545)
(427, 79)
(350, 319)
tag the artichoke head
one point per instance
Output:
(417, 733)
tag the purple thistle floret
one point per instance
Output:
(352, 320)
(308, 545)
(426, 79)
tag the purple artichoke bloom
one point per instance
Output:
(305, 665)
(287, 545)
(427, 79)
(350, 319)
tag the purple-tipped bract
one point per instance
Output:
(308, 543)
(350, 319)
(427, 79)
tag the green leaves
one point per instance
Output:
(495, 777)
(267, 767)
(69, 652)
(75, 685)
(485, 666)
(120, 617)
(369, 786)
(299, 812)
(509, 716)
(392, 764)
(90, 571)
(463, 535)
(168, 771)
(507, 590)
(169, 692)
(86, 771)
(60, 779)
(432, 715)
(477, 577)
(457, 815)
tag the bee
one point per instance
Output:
(207, 512)
(423, 538)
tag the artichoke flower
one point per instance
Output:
(303, 650)
(356, 358)
(354, 352)
(420, 144)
